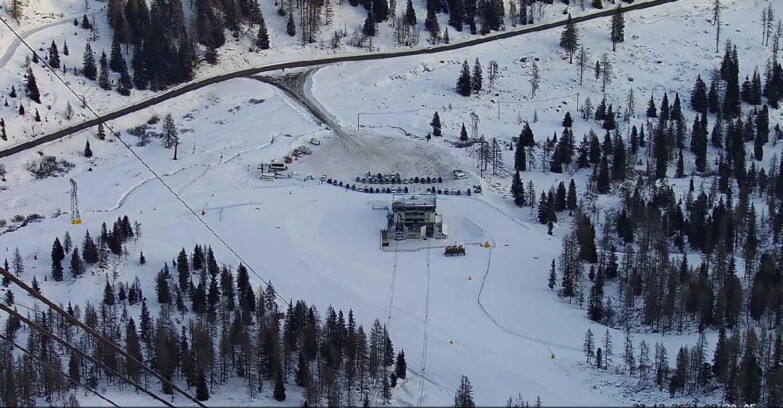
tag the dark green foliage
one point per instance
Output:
(517, 190)
(410, 14)
(369, 28)
(87, 150)
(89, 68)
(31, 86)
(603, 182)
(569, 39)
(617, 28)
(291, 27)
(463, 82)
(436, 126)
(699, 101)
(262, 39)
(652, 112)
(400, 367)
(464, 395)
(526, 137)
(54, 56)
(520, 159)
(279, 392)
(202, 391)
(475, 79)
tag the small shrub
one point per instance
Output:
(49, 166)
(154, 119)
(34, 218)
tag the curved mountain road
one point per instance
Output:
(164, 96)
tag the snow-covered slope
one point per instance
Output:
(489, 315)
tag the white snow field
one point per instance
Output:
(488, 315)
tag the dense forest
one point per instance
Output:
(675, 257)
(212, 326)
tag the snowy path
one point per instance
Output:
(504, 328)
(9, 52)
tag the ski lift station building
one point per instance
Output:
(413, 216)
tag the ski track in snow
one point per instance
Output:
(124, 196)
(17, 42)
(509, 331)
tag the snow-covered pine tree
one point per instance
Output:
(569, 39)
(618, 27)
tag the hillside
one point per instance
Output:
(496, 316)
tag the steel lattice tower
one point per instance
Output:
(75, 217)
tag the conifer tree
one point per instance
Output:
(571, 202)
(125, 83)
(699, 101)
(517, 190)
(589, 346)
(279, 392)
(475, 80)
(66, 51)
(520, 159)
(463, 82)
(652, 111)
(35, 285)
(262, 40)
(603, 183)
(18, 263)
(400, 367)
(526, 137)
(618, 27)
(103, 76)
(595, 302)
(116, 61)
(410, 14)
(88, 67)
(369, 28)
(607, 350)
(32, 86)
(464, 395)
(54, 56)
(108, 294)
(436, 127)
(606, 72)
(162, 286)
(76, 263)
(569, 39)
(291, 27)
(202, 391)
(87, 150)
